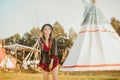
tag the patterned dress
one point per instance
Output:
(45, 57)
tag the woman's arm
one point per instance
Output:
(40, 43)
(54, 48)
(51, 64)
(53, 53)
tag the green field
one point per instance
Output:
(96, 75)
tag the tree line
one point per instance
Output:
(64, 39)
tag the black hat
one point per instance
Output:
(46, 25)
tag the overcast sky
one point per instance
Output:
(20, 16)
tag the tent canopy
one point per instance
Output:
(19, 47)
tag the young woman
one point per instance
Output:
(48, 46)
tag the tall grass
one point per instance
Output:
(95, 75)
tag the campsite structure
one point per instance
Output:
(10, 56)
(6, 61)
(97, 46)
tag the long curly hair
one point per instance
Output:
(50, 36)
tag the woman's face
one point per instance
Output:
(46, 30)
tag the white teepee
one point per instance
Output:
(97, 46)
(5, 60)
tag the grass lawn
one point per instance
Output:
(96, 75)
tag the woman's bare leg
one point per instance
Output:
(45, 75)
(55, 73)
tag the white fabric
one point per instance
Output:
(94, 48)
(97, 46)
(7, 62)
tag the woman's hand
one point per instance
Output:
(51, 64)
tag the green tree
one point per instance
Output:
(58, 30)
(62, 39)
(30, 38)
(72, 35)
(26, 39)
(13, 39)
(116, 25)
(35, 32)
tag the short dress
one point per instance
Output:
(45, 57)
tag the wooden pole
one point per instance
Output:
(16, 57)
